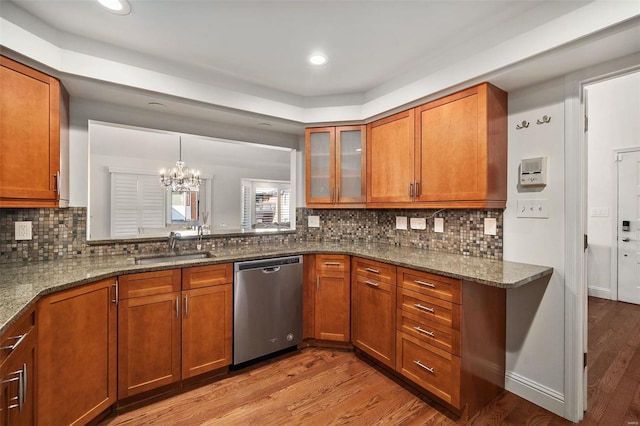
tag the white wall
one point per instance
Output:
(535, 313)
(614, 122)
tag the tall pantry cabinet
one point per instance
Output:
(34, 138)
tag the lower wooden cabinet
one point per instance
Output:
(175, 324)
(332, 298)
(373, 309)
(17, 372)
(76, 354)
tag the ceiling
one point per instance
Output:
(259, 49)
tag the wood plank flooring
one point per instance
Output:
(333, 387)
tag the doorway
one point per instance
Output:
(628, 226)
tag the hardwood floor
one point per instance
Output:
(331, 387)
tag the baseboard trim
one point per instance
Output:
(541, 395)
(603, 293)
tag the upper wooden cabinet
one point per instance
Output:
(390, 159)
(450, 153)
(461, 149)
(34, 137)
(335, 166)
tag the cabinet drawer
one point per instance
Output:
(429, 308)
(332, 265)
(433, 369)
(206, 276)
(379, 271)
(438, 335)
(148, 283)
(444, 288)
(13, 338)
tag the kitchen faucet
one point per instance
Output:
(172, 241)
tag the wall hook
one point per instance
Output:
(544, 120)
(522, 125)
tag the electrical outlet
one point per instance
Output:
(418, 223)
(23, 230)
(438, 224)
(313, 222)
(401, 222)
(490, 226)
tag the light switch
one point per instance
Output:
(313, 222)
(401, 222)
(418, 223)
(438, 224)
(533, 208)
(23, 231)
(490, 226)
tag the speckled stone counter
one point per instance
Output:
(22, 284)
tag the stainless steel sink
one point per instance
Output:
(144, 260)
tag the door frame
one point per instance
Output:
(614, 214)
(575, 219)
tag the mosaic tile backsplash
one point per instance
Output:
(61, 233)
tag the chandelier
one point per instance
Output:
(180, 178)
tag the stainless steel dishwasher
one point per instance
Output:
(267, 307)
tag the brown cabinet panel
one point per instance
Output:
(438, 286)
(30, 102)
(207, 327)
(332, 298)
(431, 332)
(435, 370)
(76, 354)
(373, 315)
(378, 271)
(390, 159)
(205, 276)
(148, 343)
(149, 283)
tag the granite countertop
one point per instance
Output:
(21, 284)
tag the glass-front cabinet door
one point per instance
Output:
(350, 164)
(320, 170)
(335, 166)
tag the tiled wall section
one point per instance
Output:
(463, 229)
(61, 233)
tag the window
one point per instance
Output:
(265, 204)
(137, 204)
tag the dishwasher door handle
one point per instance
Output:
(270, 270)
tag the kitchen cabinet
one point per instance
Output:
(76, 354)
(34, 136)
(451, 338)
(390, 159)
(207, 318)
(17, 372)
(449, 153)
(332, 298)
(148, 331)
(461, 149)
(173, 325)
(373, 308)
(336, 166)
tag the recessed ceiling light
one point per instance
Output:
(264, 124)
(157, 105)
(318, 59)
(120, 7)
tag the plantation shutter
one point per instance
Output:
(152, 197)
(124, 205)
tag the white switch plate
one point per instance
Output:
(438, 224)
(490, 226)
(533, 208)
(23, 231)
(313, 222)
(418, 223)
(401, 222)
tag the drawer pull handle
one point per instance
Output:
(375, 271)
(371, 283)
(425, 308)
(18, 340)
(424, 367)
(424, 283)
(332, 263)
(423, 331)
